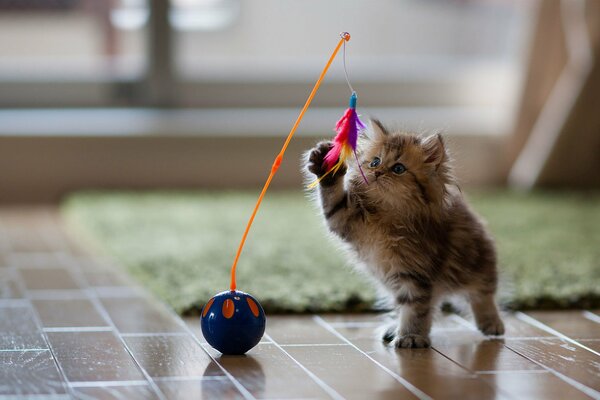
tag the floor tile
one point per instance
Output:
(48, 279)
(426, 369)
(298, 330)
(68, 313)
(26, 240)
(104, 278)
(138, 392)
(350, 373)
(93, 356)
(570, 323)
(139, 315)
(18, 329)
(200, 389)
(483, 355)
(29, 373)
(100, 273)
(177, 355)
(516, 328)
(563, 357)
(42, 260)
(534, 386)
(267, 372)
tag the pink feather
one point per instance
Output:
(346, 139)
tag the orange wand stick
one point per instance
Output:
(345, 36)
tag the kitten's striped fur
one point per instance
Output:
(412, 231)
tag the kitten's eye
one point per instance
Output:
(375, 163)
(398, 168)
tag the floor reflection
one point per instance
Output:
(253, 377)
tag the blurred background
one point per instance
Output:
(201, 93)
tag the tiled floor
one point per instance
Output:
(71, 326)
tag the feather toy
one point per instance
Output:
(347, 130)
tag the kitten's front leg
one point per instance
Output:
(334, 198)
(414, 299)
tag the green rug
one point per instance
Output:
(181, 244)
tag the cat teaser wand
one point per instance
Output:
(233, 321)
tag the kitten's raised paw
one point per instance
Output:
(491, 327)
(316, 158)
(412, 341)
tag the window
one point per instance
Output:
(243, 53)
(69, 52)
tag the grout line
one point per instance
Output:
(463, 322)
(591, 316)
(191, 378)
(513, 371)
(14, 303)
(21, 350)
(472, 327)
(413, 389)
(262, 342)
(62, 294)
(354, 324)
(64, 396)
(107, 383)
(312, 345)
(330, 391)
(532, 321)
(79, 329)
(153, 334)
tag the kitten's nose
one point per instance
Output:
(378, 174)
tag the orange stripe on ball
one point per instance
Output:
(228, 308)
(253, 306)
(207, 307)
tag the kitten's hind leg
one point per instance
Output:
(486, 313)
(389, 332)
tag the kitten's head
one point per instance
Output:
(404, 170)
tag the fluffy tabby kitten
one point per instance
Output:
(411, 229)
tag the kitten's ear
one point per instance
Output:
(377, 130)
(434, 149)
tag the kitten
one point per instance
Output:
(411, 229)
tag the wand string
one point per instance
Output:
(345, 70)
(345, 36)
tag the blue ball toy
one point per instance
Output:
(233, 322)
